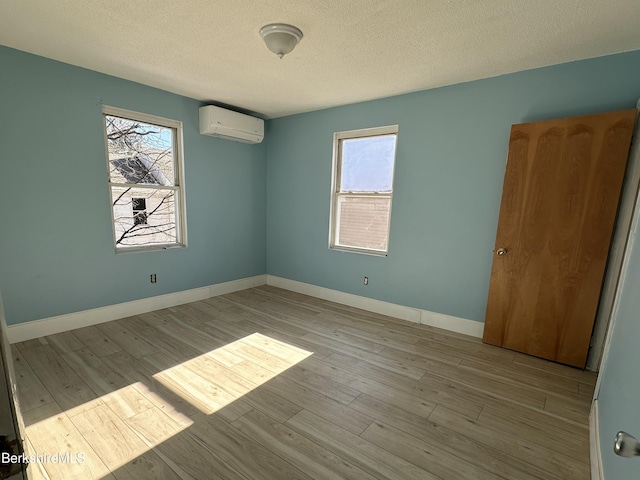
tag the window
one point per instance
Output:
(144, 158)
(362, 187)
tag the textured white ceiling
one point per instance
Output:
(352, 50)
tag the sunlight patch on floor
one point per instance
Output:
(126, 424)
(95, 437)
(215, 379)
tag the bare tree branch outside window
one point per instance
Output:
(142, 171)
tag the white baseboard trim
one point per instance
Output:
(237, 285)
(357, 301)
(71, 321)
(594, 444)
(425, 317)
(453, 324)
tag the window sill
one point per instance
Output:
(150, 248)
(362, 251)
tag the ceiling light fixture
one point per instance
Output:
(280, 38)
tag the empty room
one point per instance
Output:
(319, 240)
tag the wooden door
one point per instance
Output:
(559, 202)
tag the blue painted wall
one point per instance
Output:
(620, 379)
(56, 246)
(451, 156)
(56, 240)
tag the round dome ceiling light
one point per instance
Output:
(280, 38)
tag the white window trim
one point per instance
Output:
(335, 186)
(179, 187)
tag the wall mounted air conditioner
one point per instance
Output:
(223, 123)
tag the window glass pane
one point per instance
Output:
(139, 208)
(159, 224)
(363, 222)
(367, 164)
(139, 153)
(139, 203)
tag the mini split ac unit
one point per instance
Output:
(222, 123)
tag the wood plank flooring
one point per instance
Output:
(270, 384)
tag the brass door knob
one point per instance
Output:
(501, 251)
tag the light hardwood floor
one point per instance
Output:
(270, 384)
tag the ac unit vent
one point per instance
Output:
(223, 123)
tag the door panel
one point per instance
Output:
(559, 201)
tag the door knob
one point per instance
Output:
(626, 445)
(501, 251)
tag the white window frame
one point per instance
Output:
(334, 213)
(178, 184)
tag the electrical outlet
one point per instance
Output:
(153, 278)
(366, 281)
